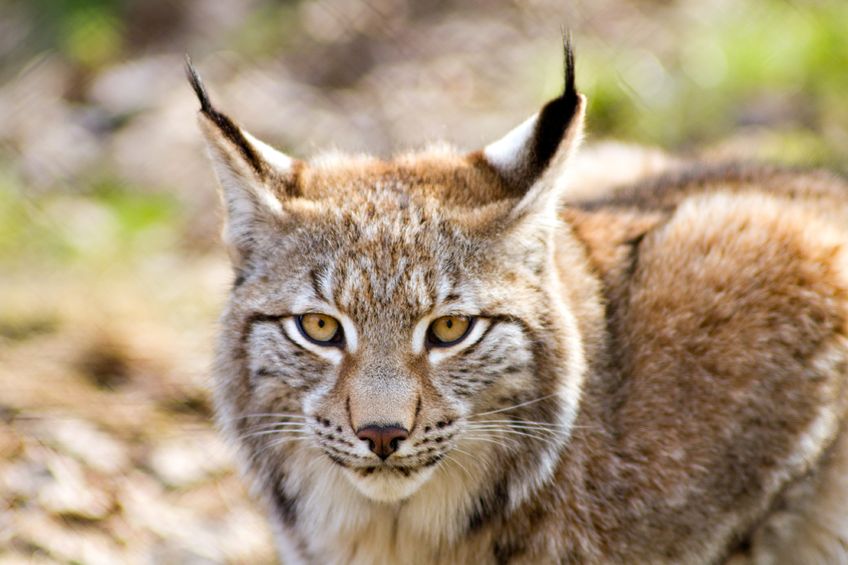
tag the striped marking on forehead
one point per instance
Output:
(401, 261)
(401, 282)
(360, 285)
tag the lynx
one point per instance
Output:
(468, 358)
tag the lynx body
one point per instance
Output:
(650, 374)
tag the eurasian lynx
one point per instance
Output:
(449, 358)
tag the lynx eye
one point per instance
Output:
(320, 328)
(449, 330)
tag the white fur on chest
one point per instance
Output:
(339, 525)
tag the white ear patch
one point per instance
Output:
(279, 161)
(269, 200)
(242, 193)
(507, 153)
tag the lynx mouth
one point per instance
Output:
(396, 476)
(388, 483)
(405, 465)
(395, 469)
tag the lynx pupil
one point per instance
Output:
(319, 328)
(449, 330)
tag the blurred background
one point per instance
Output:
(111, 276)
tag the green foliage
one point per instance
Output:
(89, 32)
(111, 222)
(91, 37)
(731, 71)
(136, 212)
(267, 30)
(22, 233)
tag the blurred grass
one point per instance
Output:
(89, 32)
(732, 72)
(111, 221)
(268, 29)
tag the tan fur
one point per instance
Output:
(658, 373)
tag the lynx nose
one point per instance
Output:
(382, 440)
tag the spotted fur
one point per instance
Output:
(656, 374)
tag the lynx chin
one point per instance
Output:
(516, 356)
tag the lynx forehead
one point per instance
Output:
(442, 358)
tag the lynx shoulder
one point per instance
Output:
(454, 358)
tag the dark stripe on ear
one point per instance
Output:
(228, 128)
(554, 118)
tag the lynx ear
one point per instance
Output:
(255, 178)
(541, 145)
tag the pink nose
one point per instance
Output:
(382, 440)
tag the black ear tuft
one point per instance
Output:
(569, 90)
(555, 117)
(197, 85)
(227, 127)
(528, 150)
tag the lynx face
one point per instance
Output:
(428, 321)
(393, 319)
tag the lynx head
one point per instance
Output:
(391, 318)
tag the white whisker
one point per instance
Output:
(280, 425)
(472, 458)
(268, 415)
(516, 405)
(520, 421)
(552, 433)
(276, 443)
(497, 430)
(489, 439)
(275, 432)
(533, 423)
(524, 434)
(460, 465)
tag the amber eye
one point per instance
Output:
(449, 330)
(320, 328)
